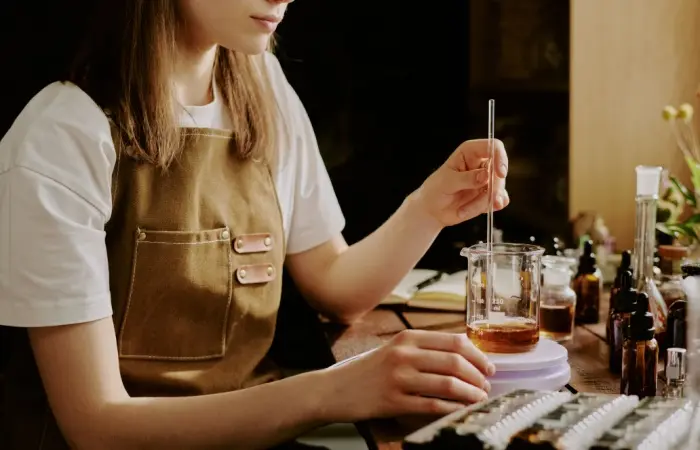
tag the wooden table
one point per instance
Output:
(588, 354)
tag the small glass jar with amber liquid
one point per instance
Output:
(503, 311)
(558, 299)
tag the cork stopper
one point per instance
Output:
(674, 252)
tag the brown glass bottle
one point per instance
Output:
(618, 319)
(588, 286)
(640, 352)
(671, 259)
(625, 266)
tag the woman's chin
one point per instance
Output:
(252, 46)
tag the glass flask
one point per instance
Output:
(503, 316)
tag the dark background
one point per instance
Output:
(392, 88)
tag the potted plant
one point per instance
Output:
(679, 205)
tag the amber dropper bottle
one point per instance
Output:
(618, 319)
(640, 352)
(625, 265)
(588, 286)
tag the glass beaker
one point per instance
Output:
(504, 317)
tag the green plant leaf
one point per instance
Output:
(662, 227)
(678, 230)
(694, 167)
(695, 218)
(689, 230)
(689, 196)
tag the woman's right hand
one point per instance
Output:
(416, 372)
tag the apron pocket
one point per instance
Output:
(180, 296)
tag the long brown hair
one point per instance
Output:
(125, 66)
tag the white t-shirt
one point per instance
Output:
(56, 167)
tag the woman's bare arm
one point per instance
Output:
(416, 372)
(80, 369)
(346, 282)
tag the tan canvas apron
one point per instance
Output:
(195, 259)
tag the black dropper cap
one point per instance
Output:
(626, 297)
(642, 321)
(626, 263)
(587, 262)
(690, 269)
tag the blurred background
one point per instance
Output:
(393, 87)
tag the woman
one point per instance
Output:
(148, 205)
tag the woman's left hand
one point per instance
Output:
(457, 191)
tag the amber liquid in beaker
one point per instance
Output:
(557, 321)
(507, 337)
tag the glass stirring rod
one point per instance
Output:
(489, 217)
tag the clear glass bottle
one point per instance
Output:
(673, 292)
(675, 372)
(648, 182)
(677, 328)
(691, 286)
(557, 299)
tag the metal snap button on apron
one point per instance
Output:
(253, 243)
(256, 273)
(142, 236)
(225, 234)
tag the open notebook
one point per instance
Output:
(441, 291)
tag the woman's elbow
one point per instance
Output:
(93, 430)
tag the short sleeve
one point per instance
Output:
(316, 217)
(55, 199)
(314, 213)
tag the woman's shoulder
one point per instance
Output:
(55, 185)
(60, 107)
(295, 130)
(61, 134)
(60, 103)
(285, 94)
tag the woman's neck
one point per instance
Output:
(193, 76)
